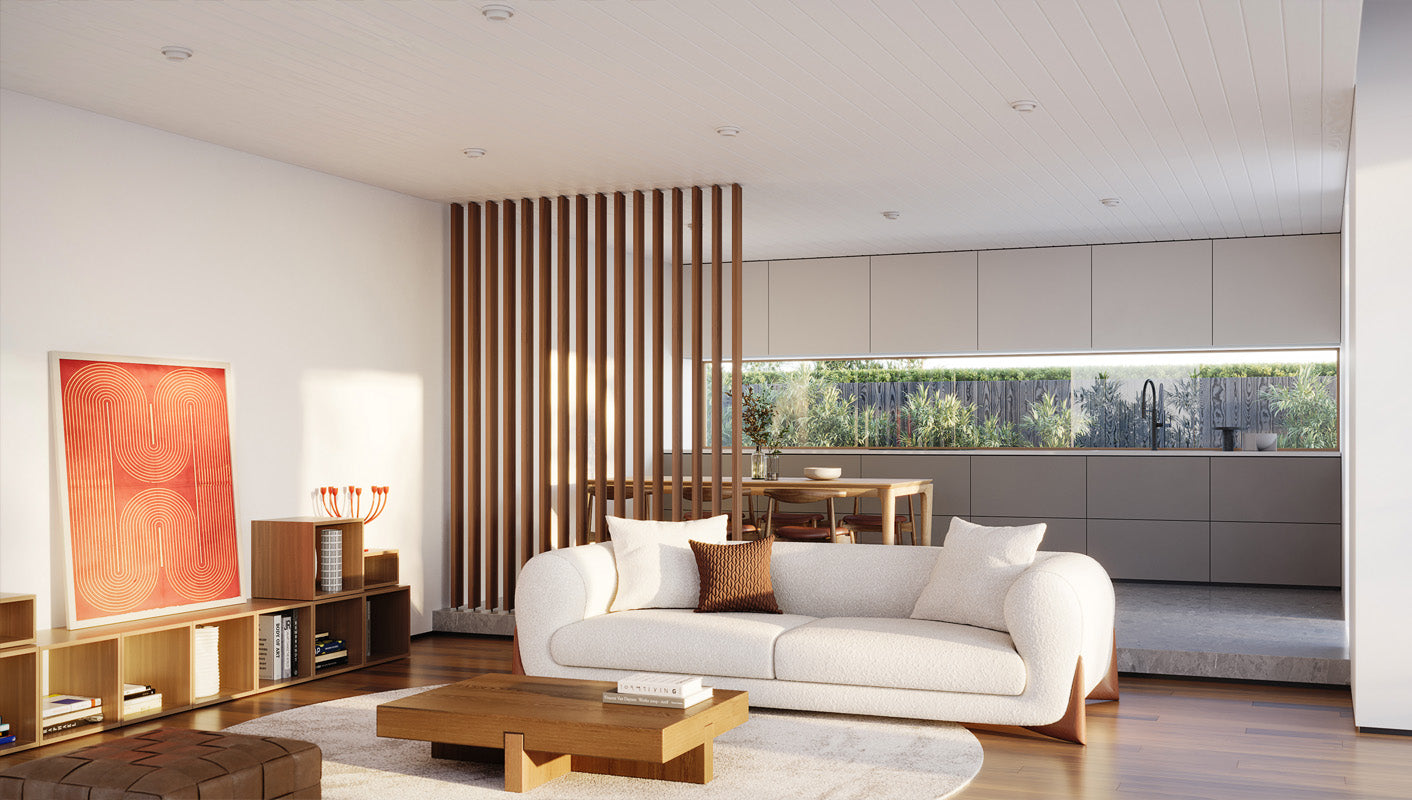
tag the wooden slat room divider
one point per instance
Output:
(546, 393)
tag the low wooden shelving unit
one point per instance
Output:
(374, 621)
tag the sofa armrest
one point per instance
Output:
(558, 588)
(1060, 608)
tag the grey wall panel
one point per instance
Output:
(1152, 294)
(1060, 535)
(1272, 552)
(1149, 487)
(1276, 489)
(951, 479)
(1152, 550)
(1037, 299)
(1029, 486)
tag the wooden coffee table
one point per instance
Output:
(541, 728)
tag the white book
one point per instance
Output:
(665, 685)
(269, 639)
(660, 701)
(286, 637)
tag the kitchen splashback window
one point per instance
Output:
(1056, 402)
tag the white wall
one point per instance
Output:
(1380, 382)
(324, 295)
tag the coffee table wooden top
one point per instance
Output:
(558, 715)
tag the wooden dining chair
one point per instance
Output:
(805, 533)
(873, 523)
(750, 524)
(608, 490)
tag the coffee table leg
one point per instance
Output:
(694, 766)
(526, 769)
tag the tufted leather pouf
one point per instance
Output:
(173, 763)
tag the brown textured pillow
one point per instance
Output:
(735, 577)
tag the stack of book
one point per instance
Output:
(206, 664)
(329, 652)
(5, 736)
(279, 646)
(667, 691)
(64, 711)
(140, 698)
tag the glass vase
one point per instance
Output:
(757, 465)
(772, 466)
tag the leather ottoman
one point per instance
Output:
(172, 764)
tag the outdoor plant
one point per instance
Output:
(1307, 410)
(1052, 423)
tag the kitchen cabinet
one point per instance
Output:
(819, 307)
(923, 303)
(1276, 290)
(1153, 294)
(1037, 299)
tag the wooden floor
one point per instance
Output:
(1165, 739)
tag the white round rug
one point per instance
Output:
(776, 755)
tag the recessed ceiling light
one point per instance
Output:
(497, 12)
(174, 53)
(473, 152)
(728, 130)
(1024, 106)
(891, 214)
(1111, 202)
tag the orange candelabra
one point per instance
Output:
(328, 496)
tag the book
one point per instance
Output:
(661, 701)
(269, 647)
(329, 646)
(324, 658)
(293, 644)
(58, 727)
(666, 685)
(142, 705)
(7, 739)
(286, 636)
(78, 713)
(55, 704)
(131, 690)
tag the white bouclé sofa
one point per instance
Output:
(845, 642)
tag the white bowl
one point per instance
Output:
(822, 473)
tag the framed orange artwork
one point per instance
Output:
(147, 486)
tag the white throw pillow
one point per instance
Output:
(974, 571)
(656, 568)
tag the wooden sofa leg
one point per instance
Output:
(1072, 727)
(517, 667)
(1107, 689)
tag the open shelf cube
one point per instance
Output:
(343, 619)
(161, 659)
(86, 668)
(380, 568)
(389, 623)
(17, 619)
(19, 695)
(284, 563)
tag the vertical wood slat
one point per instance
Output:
(546, 389)
(455, 476)
(717, 423)
(510, 446)
(565, 509)
(659, 351)
(473, 415)
(737, 349)
(620, 354)
(639, 337)
(581, 354)
(525, 489)
(698, 389)
(677, 278)
(600, 409)
(492, 405)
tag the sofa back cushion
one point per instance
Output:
(974, 572)
(849, 580)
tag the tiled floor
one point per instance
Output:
(1252, 633)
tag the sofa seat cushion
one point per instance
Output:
(901, 654)
(734, 644)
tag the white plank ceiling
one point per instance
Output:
(1209, 119)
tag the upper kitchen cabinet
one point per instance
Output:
(754, 309)
(1035, 300)
(819, 307)
(1154, 294)
(1276, 290)
(924, 304)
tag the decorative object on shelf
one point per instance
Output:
(328, 498)
(147, 486)
(823, 473)
(1250, 440)
(206, 669)
(1227, 436)
(330, 560)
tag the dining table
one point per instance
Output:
(886, 490)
